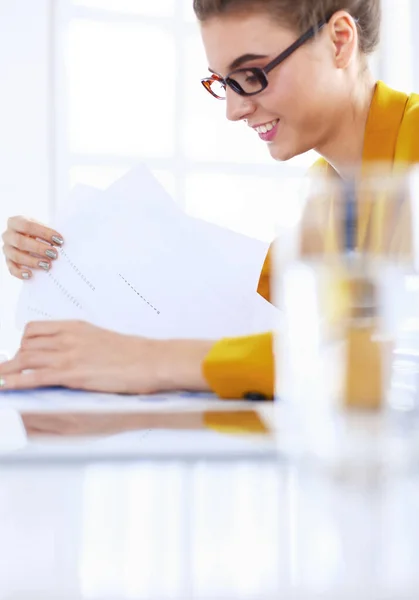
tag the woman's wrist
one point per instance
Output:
(179, 364)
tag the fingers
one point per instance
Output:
(32, 379)
(25, 360)
(70, 424)
(48, 328)
(23, 258)
(29, 227)
(45, 343)
(48, 424)
(18, 270)
(45, 357)
(29, 245)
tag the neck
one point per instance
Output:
(343, 148)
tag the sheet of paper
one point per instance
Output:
(65, 400)
(135, 263)
(264, 317)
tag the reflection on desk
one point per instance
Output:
(202, 530)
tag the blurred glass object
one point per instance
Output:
(348, 344)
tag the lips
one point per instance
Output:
(268, 131)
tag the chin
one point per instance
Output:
(281, 152)
(285, 147)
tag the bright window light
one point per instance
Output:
(161, 8)
(121, 90)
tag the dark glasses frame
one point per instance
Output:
(261, 74)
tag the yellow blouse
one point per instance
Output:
(237, 367)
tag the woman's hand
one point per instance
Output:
(79, 424)
(29, 245)
(101, 424)
(79, 355)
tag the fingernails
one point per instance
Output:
(51, 253)
(25, 275)
(2, 383)
(57, 240)
(44, 265)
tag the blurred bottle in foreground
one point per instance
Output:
(347, 345)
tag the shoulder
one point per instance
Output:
(412, 112)
(408, 139)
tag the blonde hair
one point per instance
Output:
(303, 14)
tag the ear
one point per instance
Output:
(344, 35)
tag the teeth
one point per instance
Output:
(267, 127)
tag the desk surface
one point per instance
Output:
(202, 530)
(197, 515)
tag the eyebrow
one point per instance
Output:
(238, 62)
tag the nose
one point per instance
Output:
(238, 107)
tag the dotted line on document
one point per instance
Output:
(65, 292)
(38, 312)
(138, 293)
(77, 270)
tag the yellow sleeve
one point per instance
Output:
(239, 366)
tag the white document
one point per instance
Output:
(61, 400)
(135, 263)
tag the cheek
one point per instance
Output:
(303, 116)
(299, 90)
(285, 96)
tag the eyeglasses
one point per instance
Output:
(253, 80)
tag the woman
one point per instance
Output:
(296, 71)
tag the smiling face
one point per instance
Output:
(307, 93)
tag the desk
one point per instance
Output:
(182, 517)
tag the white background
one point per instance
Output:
(90, 87)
